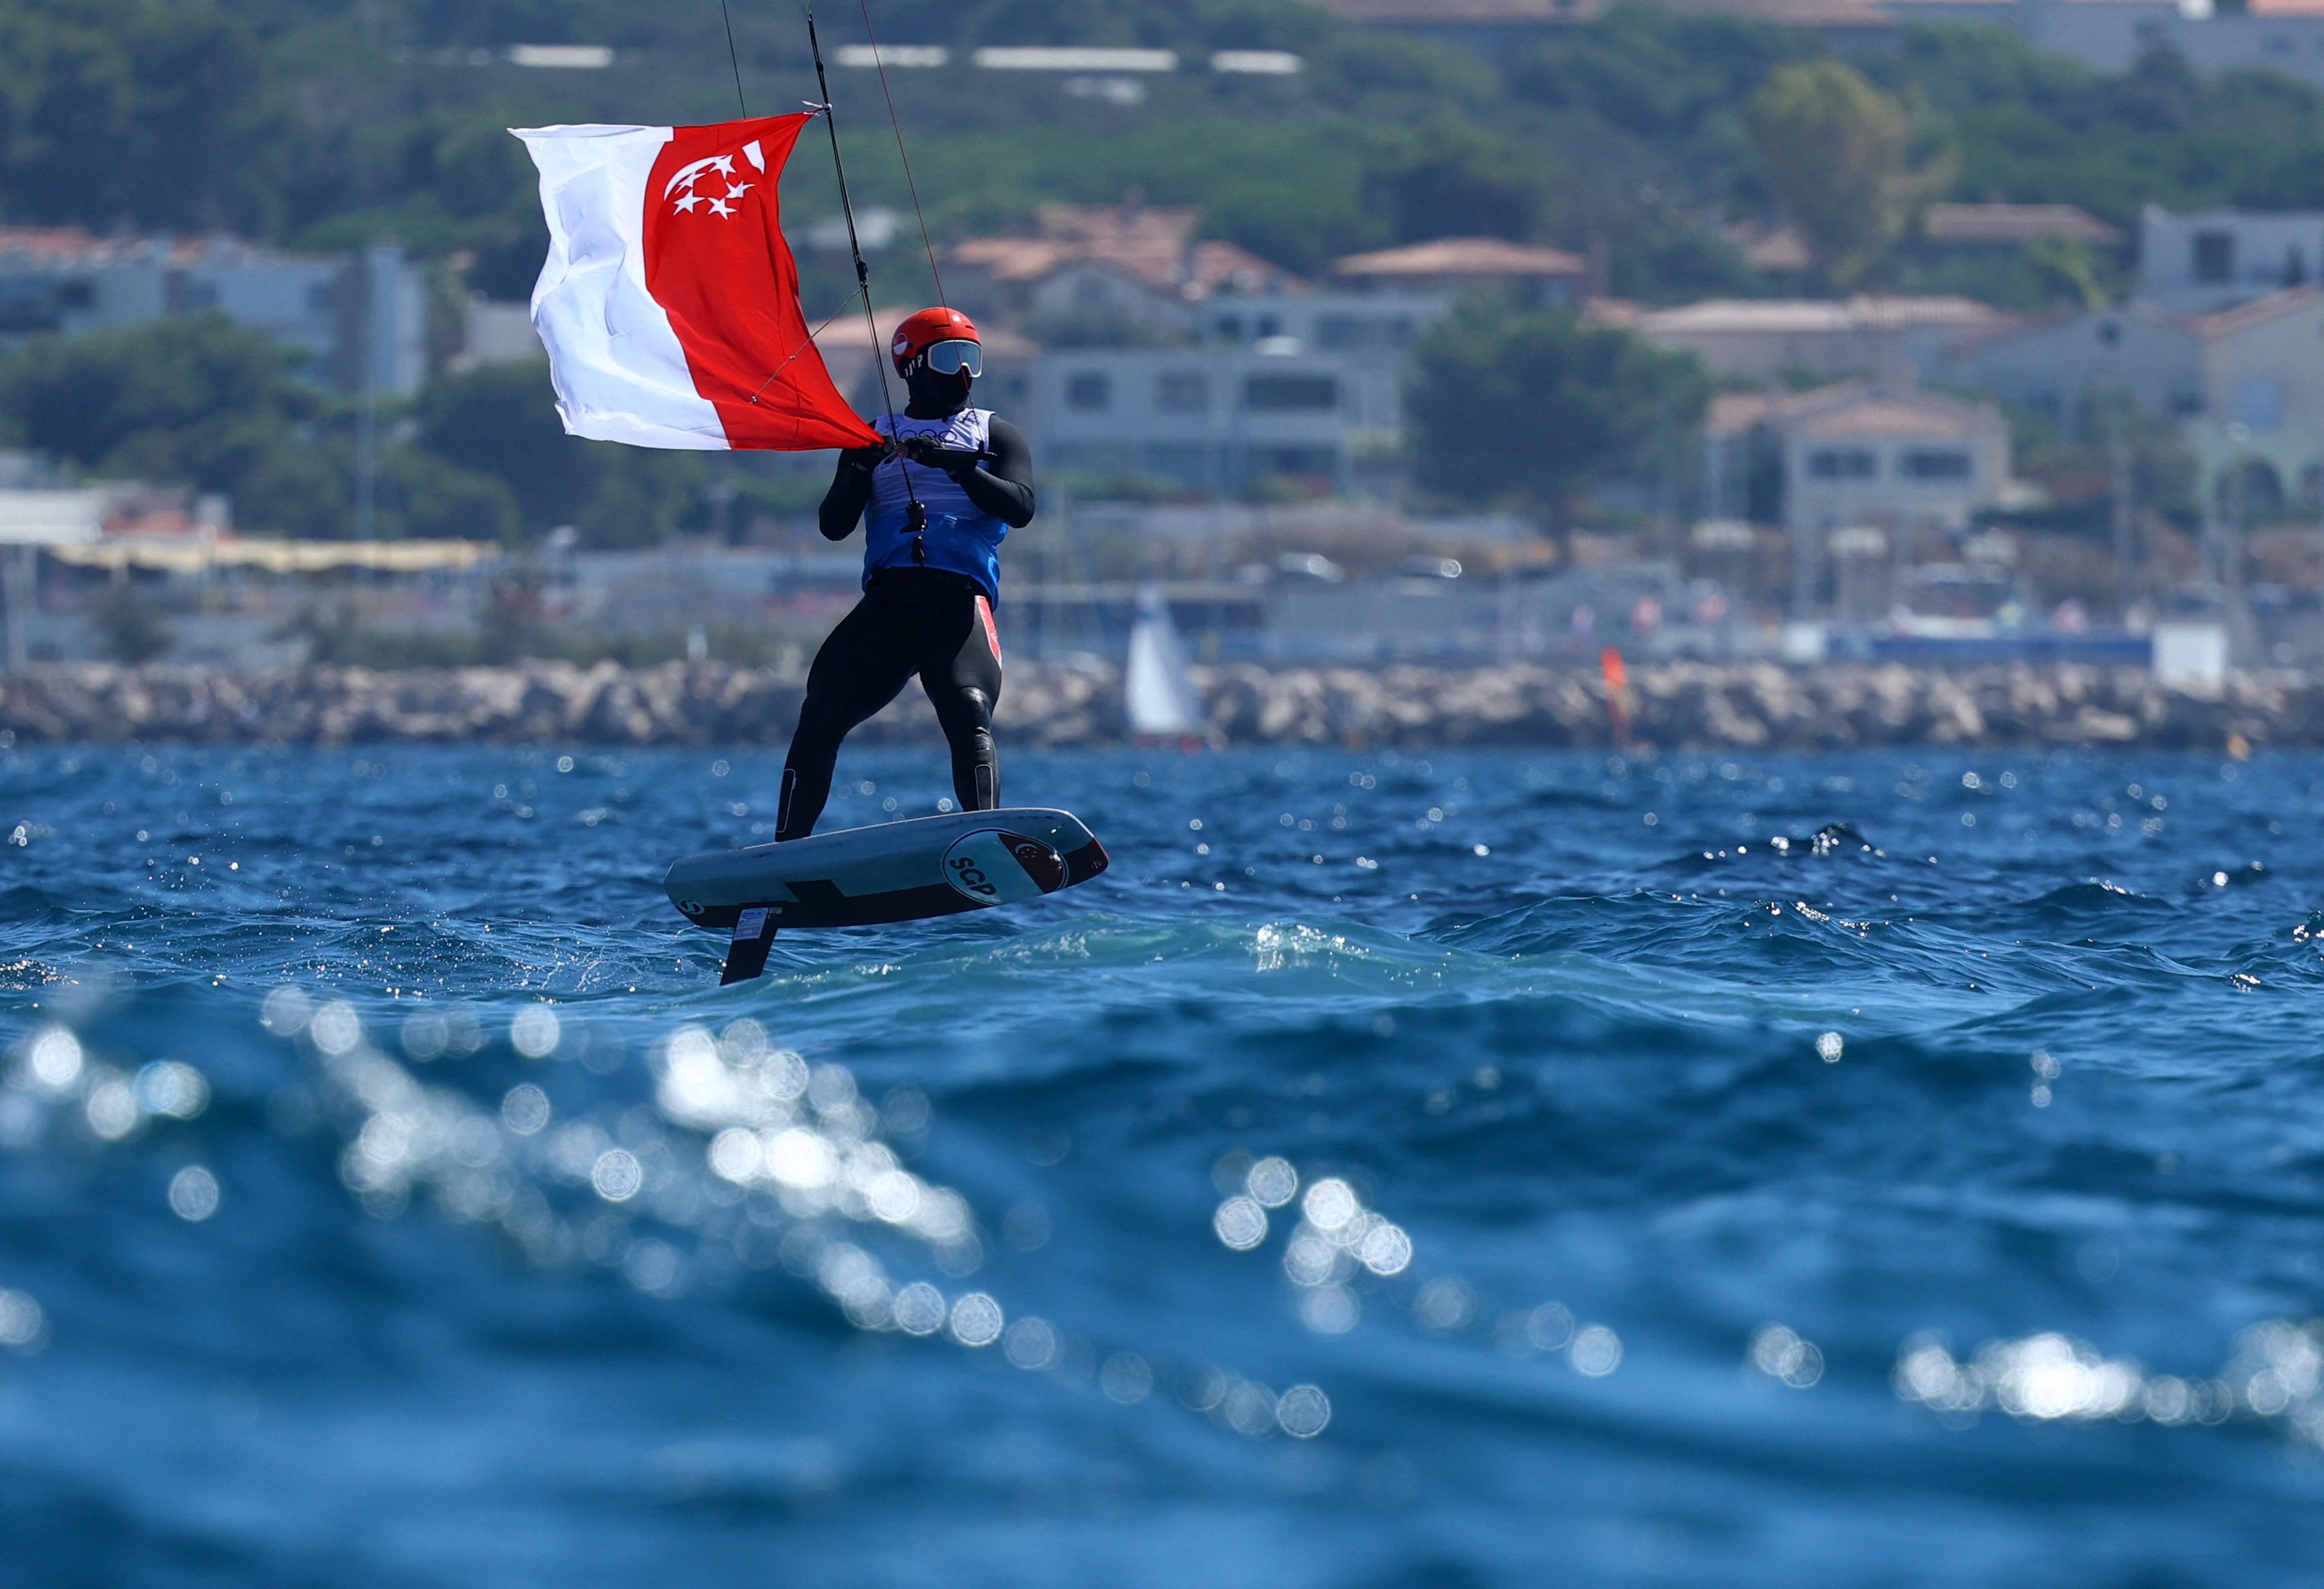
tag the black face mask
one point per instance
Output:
(933, 394)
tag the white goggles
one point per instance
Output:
(956, 357)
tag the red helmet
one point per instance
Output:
(922, 330)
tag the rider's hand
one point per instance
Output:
(930, 453)
(864, 460)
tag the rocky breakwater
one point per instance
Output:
(1747, 706)
(532, 702)
(1758, 706)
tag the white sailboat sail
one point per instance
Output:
(1159, 698)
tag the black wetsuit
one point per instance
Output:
(928, 621)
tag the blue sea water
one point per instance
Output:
(1474, 1170)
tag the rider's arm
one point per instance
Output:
(851, 489)
(1005, 488)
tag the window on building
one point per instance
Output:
(1843, 463)
(1183, 391)
(2186, 404)
(1270, 326)
(197, 296)
(78, 293)
(1228, 327)
(1309, 462)
(2259, 403)
(2215, 256)
(1282, 393)
(1340, 331)
(23, 312)
(319, 297)
(1936, 464)
(1091, 392)
(1182, 462)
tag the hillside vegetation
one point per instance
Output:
(316, 124)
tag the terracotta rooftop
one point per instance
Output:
(1732, 413)
(1769, 248)
(843, 338)
(1152, 244)
(1893, 415)
(1969, 224)
(1851, 408)
(65, 246)
(1795, 315)
(1460, 256)
(2256, 312)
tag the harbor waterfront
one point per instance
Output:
(1059, 704)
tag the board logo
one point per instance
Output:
(995, 867)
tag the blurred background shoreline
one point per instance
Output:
(1363, 335)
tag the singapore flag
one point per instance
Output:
(670, 303)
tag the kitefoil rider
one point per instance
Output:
(936, 498)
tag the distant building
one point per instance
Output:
(1007, 387)
(1154, 354)
(1864, 469)
(360, 319)
(498, 332)
(1772, 250)
(2210, 259)
(1766, 339)
(1099, 273)
(2057, 366)
(1373, 331)
(1213, 419)
(1975, 226)
(2110, 35)
(2262, 420)
(1448, 265)
(1500, 28)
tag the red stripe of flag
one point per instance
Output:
(717, 264)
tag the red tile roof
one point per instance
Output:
(2255, 313)
(1460, 256)
(1153, 243)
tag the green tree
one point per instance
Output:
(1458, 181)
(501, 421)
(162, 113)
(132, 626)
(194, 399)
(1529, 409)
(1838, 157)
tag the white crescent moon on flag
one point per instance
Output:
(685, 174)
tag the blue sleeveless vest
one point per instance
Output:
(962, 538)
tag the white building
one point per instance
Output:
(2210, 259)
(1374, 329)
(361, 319)
(2272, 35)
(2059, 365)
(1212, 418)
(2263, 404)
(1867, 469)
(1768, 339)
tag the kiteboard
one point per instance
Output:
(904, 871)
